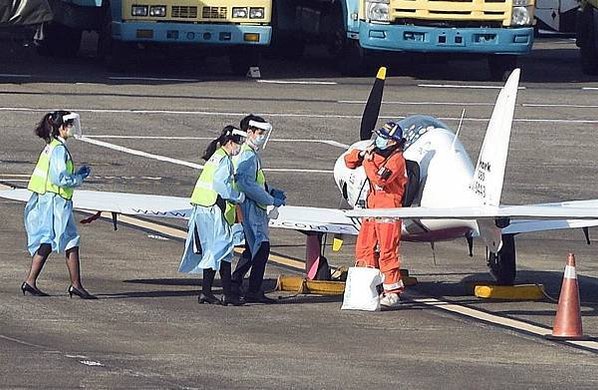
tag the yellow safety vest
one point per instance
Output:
(204, 194)
(40, 182)
(260, 178)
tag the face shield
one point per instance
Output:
(261, 140)
(73, 124)
(237, 137)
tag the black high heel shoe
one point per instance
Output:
(210, 299)
(80, 293)
(232, 300)
(25, 287)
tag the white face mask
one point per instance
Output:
(260, 140)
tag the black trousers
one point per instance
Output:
(256, 263)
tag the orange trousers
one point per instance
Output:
(386, 236)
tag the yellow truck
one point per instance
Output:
(240, 26)
(501, 30)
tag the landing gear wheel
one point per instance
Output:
(501, 66)
(242, 58)
(59, 41)
(502, 264)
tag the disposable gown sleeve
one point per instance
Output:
(246, 171)
(223, 182)
(59, 176)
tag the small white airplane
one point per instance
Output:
(447, 197)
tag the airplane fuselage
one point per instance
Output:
(445, 176)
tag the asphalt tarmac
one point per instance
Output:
(147, 330)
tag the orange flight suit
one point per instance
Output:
(384, 193)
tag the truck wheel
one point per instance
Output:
(352, 59)
(242, 58)
(59, 41)
(112, 53)
(502, 264)
(587, 45)
(501, 66)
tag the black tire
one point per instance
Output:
(242, 58)
(59, 41)
(114, 54)
(501, 66)
(349, 55)
(587, 43)
(352, 59)
(503, 264)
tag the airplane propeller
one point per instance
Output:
(372, 107)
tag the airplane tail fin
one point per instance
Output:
(489, 173)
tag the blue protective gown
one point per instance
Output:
(255, 219)
(214, 233)
(49, 218)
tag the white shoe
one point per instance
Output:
(390, 300)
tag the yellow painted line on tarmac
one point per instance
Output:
(500, 321)
(181, 233)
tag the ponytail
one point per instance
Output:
(211, 149)
(49, 126)
(225, 136)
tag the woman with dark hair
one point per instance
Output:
(209, 246)
(49, 219)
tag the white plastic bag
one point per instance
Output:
(361, 291)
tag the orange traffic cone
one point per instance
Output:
(567, 323)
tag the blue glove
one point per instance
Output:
(278, 202)
(84, 171)
(278, 194)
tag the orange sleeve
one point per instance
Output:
(396, 165)
(352, 159)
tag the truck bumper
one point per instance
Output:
(439, 39)
(185, 33)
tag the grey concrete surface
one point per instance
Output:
(147, 330)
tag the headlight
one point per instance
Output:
(256, 13)
(157, 10)
(377, 10)
(139, 10)
(239, 12)
(521, 17)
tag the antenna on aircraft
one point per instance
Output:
(372, 107)
(458, 129)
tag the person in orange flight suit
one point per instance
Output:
(385, 168)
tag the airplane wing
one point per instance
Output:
(315, 219)
(530, 226)
(309, 219)
(119, 202)
(579, 210)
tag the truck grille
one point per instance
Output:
(214, 12)
(455, 10)
(184, 12)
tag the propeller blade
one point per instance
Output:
(372, 107)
